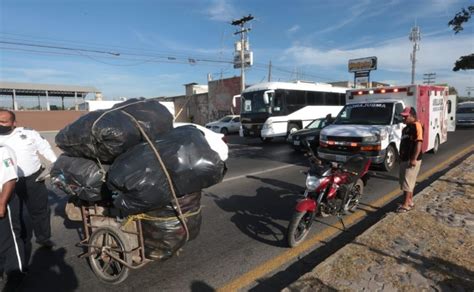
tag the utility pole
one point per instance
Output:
(243, 45)
(415, 37)
(429, 78)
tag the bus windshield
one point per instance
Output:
(252, 102)
(365, 114)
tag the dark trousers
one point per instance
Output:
(11, 244)
(34, 195)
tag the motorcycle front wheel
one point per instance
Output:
(299, 227)
(356, 194)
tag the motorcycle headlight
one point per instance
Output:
(312, 182)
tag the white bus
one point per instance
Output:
(275, 109)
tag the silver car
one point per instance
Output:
(465, 114)
(226, 125)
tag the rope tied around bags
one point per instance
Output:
(147, 217)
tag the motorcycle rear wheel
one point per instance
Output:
(299, 227)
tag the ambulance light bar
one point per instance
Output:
(379, 91)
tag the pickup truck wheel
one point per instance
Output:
(436, 145)
(390, 158)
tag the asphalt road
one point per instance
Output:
(242, 242)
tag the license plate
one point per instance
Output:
(341, 158)
(296, 143)
(251, 133)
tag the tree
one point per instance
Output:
(464, 62)
(453, 90)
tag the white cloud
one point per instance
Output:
(436, 54)
(293, 29)
(222, 10)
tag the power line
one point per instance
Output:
(59, 48)
(122, 49)
(138, 61)
(121, 55)
(190, 60)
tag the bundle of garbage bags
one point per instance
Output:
(107, 159)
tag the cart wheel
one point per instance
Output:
(103, 242)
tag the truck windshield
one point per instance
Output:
(365, 114)
(253, 102)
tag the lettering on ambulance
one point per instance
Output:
(423, 110)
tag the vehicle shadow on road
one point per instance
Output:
(265, 216)
(50, 272)
(199, 286)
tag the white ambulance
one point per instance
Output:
(370, 123)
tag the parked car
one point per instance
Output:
(216, 141)
(226, 125)
(310, 133)
(465, 114)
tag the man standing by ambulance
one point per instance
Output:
(410, 156)
(27, 144)
(11, 245)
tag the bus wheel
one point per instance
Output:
(293, 128)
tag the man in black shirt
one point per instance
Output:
(410, 156)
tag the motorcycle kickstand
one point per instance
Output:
(342, 222)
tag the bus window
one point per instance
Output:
(315, 98)
(278, 102)
(295, 99)
(332, 98)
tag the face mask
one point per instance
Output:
(5, 129)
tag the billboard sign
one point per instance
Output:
(363, 64)
(248, 59)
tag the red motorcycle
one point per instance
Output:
(331, 189)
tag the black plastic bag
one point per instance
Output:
(165, 234)
(105, 134)
(138, 179)
(190, 161)
(80, 177)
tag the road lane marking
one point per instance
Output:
(278, 261)
(259, 172)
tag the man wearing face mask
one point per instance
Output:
(27, 144)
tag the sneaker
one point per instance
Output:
(48, 243)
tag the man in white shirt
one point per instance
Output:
(27, 144)
(11, 245)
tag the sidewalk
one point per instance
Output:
(430, 248)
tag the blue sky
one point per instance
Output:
(309, 40)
